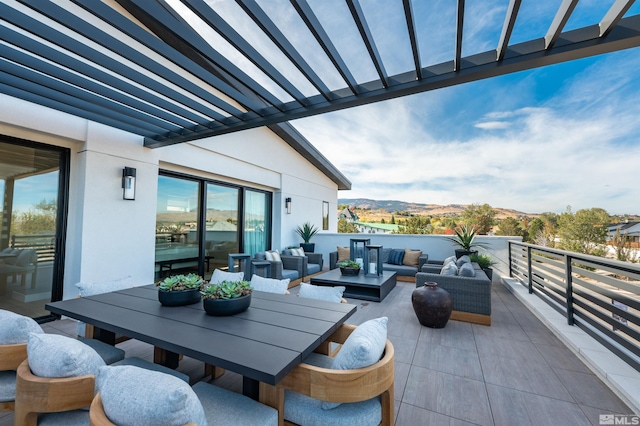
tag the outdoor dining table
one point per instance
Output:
(262, 344)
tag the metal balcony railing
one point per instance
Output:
(599, 295)
(44, 245)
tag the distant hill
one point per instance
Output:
(392, 206)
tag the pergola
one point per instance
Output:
(180, 70)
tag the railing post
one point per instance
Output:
(529, 272)
(569, 280)
(510, 264)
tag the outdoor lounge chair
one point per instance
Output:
(315, 263)
(25, 263)
(292, 267)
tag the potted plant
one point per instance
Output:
(349, 267)
(179, 290)
(465, 236)
(306, 232)
(226, 298)
(485, 262)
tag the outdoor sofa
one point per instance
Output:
(406, 271)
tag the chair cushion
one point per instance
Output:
(363, 348)
(297, 251)
(65, 418)
(223, 407)
(396, 257)
(15, 328)
(270, 285)
(148, 365)
(7, 385)
(290, 274)
(219, 276)
(462, 260)
(344, 253)
(449, 269)
(273, 256)
(133, 396)
(53, 355)
(108, 353)
(466, 270)
(330, 294)
(100, 287)
(313, 268)
(411, 257)
(260, 256)
(302, 410)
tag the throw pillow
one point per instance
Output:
(100, 287)
(260, 256)
(15, 328)
(269, 285)
(449, 260)
(297, 251)
(273, 256)
(344, 253)
(449, 269)
(384, 254)
(466, 270)
(54, 355)
(133, 395)
(411, 257)
(463, 259)
(330, 294)
(396, 257)
(219, 276)
(363, 348)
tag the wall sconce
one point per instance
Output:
(129, 183)
(287, 205)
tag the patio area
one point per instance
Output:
(514, 372)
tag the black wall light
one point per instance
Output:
(129, 183)
(287, 204)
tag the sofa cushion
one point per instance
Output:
(53, 355)
(219, 276)
(449, 269)
(396, 256)
(270, 285)
(384, 254)
(260, 256)
(131, 395)
(330, 294)
(411, 257)
(344, 253)
(462, 260)
(466, 270)
(273, 256)
(402, 270)
(15, 328)
(449, 260)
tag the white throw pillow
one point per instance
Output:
(270, 285)
(100, 287)
(449, 269)
(219, 276)
(273, 256)
(15, 328)
(330, 294)
(133, 395)
(297, 251)
(54, 355)
(449, 260)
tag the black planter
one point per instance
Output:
(489, 273)
(179, 298)
(432, 305)
(349, 271)
(308, 247)
(462, 252)
(225, 307)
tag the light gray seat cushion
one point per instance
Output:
(302, 410)
(404, 270)
(52, 355)
(223, 407)
(15, 328)
(108, 353)
(135, 396)
(65, 418)
(313, 268)
(7, 385)
(291, 274)
(148, 365)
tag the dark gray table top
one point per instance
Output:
(334, 276)
(263, 343)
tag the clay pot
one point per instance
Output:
(432, 305)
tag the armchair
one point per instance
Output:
(292, 267)
(315, 262)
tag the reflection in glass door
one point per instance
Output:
(222, 235)
(31, 176)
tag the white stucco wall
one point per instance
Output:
(108, 237)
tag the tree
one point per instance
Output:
(585, 231)
(41, 220)
(510, 226)
(479, 216)
(393, 220)
(346, 227)
(622, 247)
(415, 225)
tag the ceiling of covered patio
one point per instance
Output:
(175, 71)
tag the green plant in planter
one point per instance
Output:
(306, 231)
(484, 260)
(226, 290)
(465, 236)
(349, 264)
(181, 282)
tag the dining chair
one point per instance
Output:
(356, 386)
(130, 395)
(270, 285)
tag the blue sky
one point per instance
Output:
(534, 141)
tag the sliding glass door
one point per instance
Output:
(222, 234)
(256, 222)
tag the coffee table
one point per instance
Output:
(374, 288)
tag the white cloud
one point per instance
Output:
(491, 125)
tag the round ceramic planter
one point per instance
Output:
(224, 307)
(349, 271)
(179, 298)
(432, 305)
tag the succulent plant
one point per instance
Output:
(226, 290)
(349, 264)
(180, 282)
